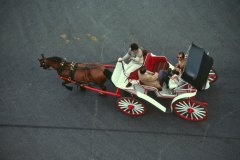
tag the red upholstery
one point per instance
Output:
(153, 64)
(134, 75)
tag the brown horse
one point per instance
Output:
(81, 73)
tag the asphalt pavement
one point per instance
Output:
(41, 120)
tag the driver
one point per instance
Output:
(135, 57)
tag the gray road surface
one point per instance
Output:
(41, 120)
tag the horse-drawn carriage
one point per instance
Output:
(198, 74)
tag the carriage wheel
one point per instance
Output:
(190, 110)
(131, 106)
(212, 76)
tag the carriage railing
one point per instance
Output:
(184, 88)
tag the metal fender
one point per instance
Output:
(182, 96)
(151, 100)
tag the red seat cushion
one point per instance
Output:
(153, 63)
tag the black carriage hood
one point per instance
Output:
(197, 68)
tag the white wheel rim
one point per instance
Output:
(191, 111)
(131, 106)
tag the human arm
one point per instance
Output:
(138, 58)
(179, 66)
(127, 55)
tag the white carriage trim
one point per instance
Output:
(118, 71)
(207, 86)
(182, 96)
(175, 92)
(151, 100)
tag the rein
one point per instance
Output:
(124, 71)
(64, 64)
(78, 68)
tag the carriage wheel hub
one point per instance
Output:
(190, 110)
(130, 107)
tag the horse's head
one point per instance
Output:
(44, 62)
(54, 62)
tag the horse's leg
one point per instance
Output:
(101, 84)
(103, 87)
(68, 87)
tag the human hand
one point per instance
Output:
(174, 77)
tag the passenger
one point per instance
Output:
(135, 56)
(149, 78)
(178, 69)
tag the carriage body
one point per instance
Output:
(182, 93)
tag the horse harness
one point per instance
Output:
(72, 69)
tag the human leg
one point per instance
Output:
(131, 68)
(163, 77)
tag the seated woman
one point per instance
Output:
(176, 72)
(149, 78)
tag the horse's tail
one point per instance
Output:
(107, 73)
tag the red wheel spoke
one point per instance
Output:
(190, 110)
(131, 106)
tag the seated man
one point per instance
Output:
(149, 78)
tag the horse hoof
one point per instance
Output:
(69, 88)
(82, 88)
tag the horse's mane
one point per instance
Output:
(56, 59)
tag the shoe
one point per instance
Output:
(129, 84)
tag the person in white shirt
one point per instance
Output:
(135, 56)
